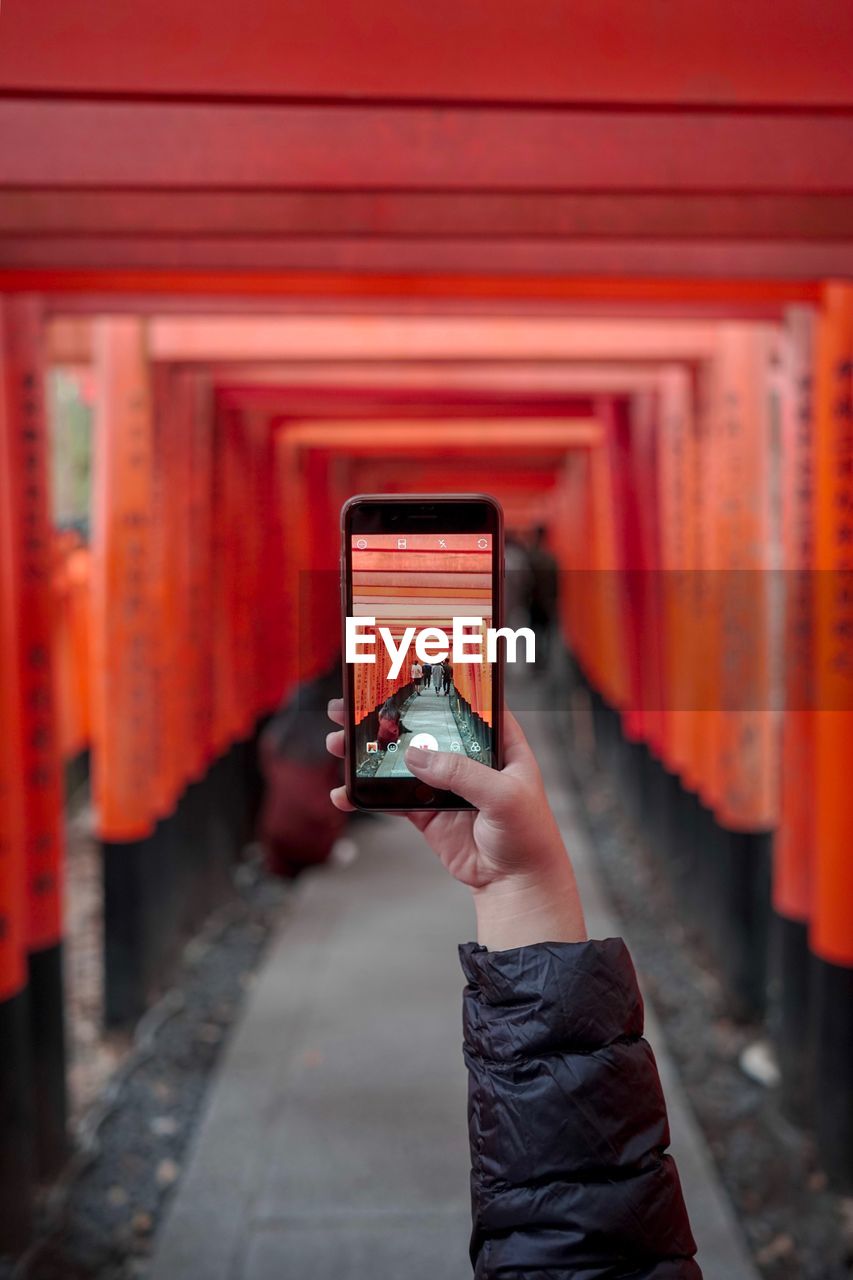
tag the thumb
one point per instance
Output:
(474, 782)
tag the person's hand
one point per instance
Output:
(509, 852)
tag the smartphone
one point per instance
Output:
(422, 600)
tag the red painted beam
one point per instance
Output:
(413, 287)
(707, 51)
(467, 436)
(523, 388)
(446, 339)
(530, 215)
(68, 143)
(787, 261)
(60, 305)
(288, 404)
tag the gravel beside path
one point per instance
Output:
(796, 1228)
(131, 1141)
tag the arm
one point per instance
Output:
(566, 1115)
(567, 1120)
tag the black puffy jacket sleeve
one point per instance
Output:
(567, 1120)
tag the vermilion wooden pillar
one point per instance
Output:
(678, 580)
(320, 569)
(16, 1111)
(197, 421)
(746, 801)
(124, 721)
(124, 745)
(794, 844)
(276, 619)
(831, 932)
(23, 391)
(678, 564)
(289, 463)
(164, 558)
(703, 501)
(610, 646)
(642, 555)
(228, 623)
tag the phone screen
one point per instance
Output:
(422, 587)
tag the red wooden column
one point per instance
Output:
(123, 731)
(227, 625)
(320, 597)
(16, 1112)
(164, 558)
(831, 930)
(746, 803)
(677, 551)
(630, 582)
(703, 499)
(297, 528)
(794, 845)
(645, 464)
(677, 530)
(191, 585)
(610, 645)
(124, 749)
(27, 461)
(197, 404)
(276, 620)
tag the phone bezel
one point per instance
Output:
(417, 513)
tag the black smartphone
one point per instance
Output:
(422, 597)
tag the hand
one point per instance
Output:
(510, 852)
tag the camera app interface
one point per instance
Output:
(422, 608)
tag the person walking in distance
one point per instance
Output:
(446, 678)
(427, 670)
(437, 677)
(417, 674)
(542, 609)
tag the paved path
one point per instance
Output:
(334, 1144)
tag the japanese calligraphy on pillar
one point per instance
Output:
(746, 553)
(677, 522)
(125, 720)
(832, 918)
(31, 548)
(794, 845)
(12, 858)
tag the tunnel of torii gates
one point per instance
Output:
(224, 448)
(586, 266)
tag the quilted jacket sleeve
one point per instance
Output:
(567, 1120)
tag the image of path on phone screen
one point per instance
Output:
(421, 580)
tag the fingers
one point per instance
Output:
(335, 747)
(339, 798)
(474, 782)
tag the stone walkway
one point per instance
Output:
(334, 1145)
